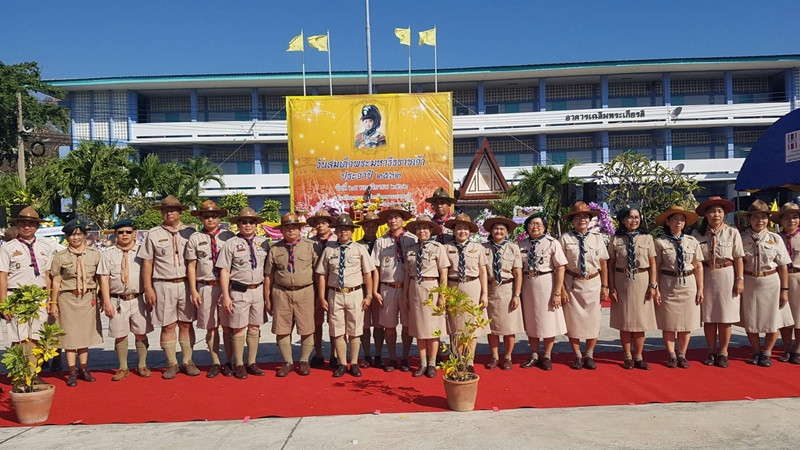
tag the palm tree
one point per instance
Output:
(199, 171)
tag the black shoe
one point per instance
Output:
(431, 372)
(213, 371)
(589, 364)
(253, 369)
(240, 372)
(354, 370)
(72, 380)
(672, 362)
(641, 364)
(405, 366)
(334, 362)
(366, 362)
(795, 358)
(227, 370)
(722, 361)
(710, 359)
(532, 361)
(764, 360)
(420, 371)
(627, 364)
(390, 366)
(577, 363)
(55, 364)
(786, 357)
(378, 363)
(471, 368)
(339, 371)
(683, 363)
(753, 359)
(546, 364)
(317, 361)
(85, 375)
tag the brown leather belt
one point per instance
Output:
(495, 283)
(209, 282)
(170, 280)
(292, 288)
(533, 275)
(624, 270)
(718, 266)
(672, 273)
(427, 278)
(125, 297)
(581, 277)
(77, 292)
(252, 286)
(466, 279)
(392, 285)
(345, 290)
(760, 274)
(793, 269)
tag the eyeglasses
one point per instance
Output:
(248, 222)
(209, 216)
(124, 231)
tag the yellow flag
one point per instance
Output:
(319, 42)
(774, 206)
(428, 37)
(404, 34)
(296, 44)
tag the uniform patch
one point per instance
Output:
(202, 254)
(203, 243)
(16, 253)
(164, 240)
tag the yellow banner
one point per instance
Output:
(390, 148)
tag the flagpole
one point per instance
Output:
(303, 59)
(369, 54)
(435, 62)
(330, 75)
(409, 58)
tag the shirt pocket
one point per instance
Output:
(725, 250)
(163, 248)
(769, 254)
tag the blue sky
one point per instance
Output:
(91, 38)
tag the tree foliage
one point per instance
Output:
(631, 178)
(271, 211)
(233, 203)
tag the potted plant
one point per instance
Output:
(31, 397)
(460, 385)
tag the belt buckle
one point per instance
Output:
(346, 290)
(495, 283)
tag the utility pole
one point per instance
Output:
(20, 142)
(369, 53)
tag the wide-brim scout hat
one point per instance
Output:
(489, 223)
(370, 217)
(171, 202)
(580, 208)
(384, 215)
(440, 195)
(209, 206)
(74, 224)
(318, 216)
(247, 213)
(424, 219)
(541, 215)
(290, 219)
(344, 221)
(715, 200)
(27, 213)
(790, 207)
(691, 216)
(462, 219)
(758, 206)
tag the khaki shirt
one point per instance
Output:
(667, 257)
(446, 236)
(729, 244)
(111, 265)
(770, 249)
(321, 244)
(510, 258)
(548, 256)
(65, 265)
(199, 248)
(795, 248)
(645, 249)
(15, 259)
(596, 252)
(434, 257)
(474, 259)
(384, 256)
(357, 263)
(235, 256)
(277, 265)
(158, 247)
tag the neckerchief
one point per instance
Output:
(125, 268)
(679, 259)
(532, 265)
(212, 235)
(496, 263)
(631, 254)
(80, 268)
(290, 248)
(757, 238)
(34, 264)
(253, 261)
(398, 245)
(419, 259)
(342, 249)
(175, 241)
(789, 248)
(582, 251)
(462, 260)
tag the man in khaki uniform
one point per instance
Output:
(166, 288)
(241, 264)
(289, 292)
(341, 272)
(370, 225)
(25, 260)
(201, 253)
(321, 222)
(441, 205)
(123, 302)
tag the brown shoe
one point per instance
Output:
(627, 364)
(120, 375)
(144, 372)
(421, 370)
(227, 370)
(641, 364)
(431, 372)
(354, 370)
(240, 372)
(340, 370)
(85, 375)
(390, 366)
(532, 361)
(404, 365)
(795, 358)
(506, 364)
(171, 372)
(214, 371)
(72, 380)
(286, 369)
(492, 364)
(190, 369)
(365, 363)
(253, 369)
(305, 368)
(546, 364)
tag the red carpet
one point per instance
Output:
(137, 400)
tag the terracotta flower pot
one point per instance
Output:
(33, 407)
(461, 395)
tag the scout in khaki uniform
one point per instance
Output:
(341, 272)
(289, 292)
(370, 226)
(241, 264)
(73, 299)
(201, 253)
(789, 219)
(441, 205)
(25, 260)
(321, 223)
(123, 303)
(389, 255)
(165, 286)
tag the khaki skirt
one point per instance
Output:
(79, 316)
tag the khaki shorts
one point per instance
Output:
(248, 309)
(372, 315)
(290, 308)
(18, 332)
(172, 303)
(210, 301)
(130, 316)
(345, 316)
(392, 307)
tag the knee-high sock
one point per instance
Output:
(141, 352)
(306, 346)
(237, 342)
(227, 344)
(186, 350)
(170, 351)
(341, 349)
(355, 344)
(122, 353)
(285, 347)
(252, 346)
(212, 341)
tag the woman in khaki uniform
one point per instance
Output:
(505, 286)
(467, 271)
(543, 263)
(680, 283)
(73, 299)
(426, 268)
(585, 283)
(789, 219)
(633, 284)
(766, 284)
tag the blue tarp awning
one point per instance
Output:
(766, 166)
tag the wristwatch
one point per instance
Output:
(652, 286)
